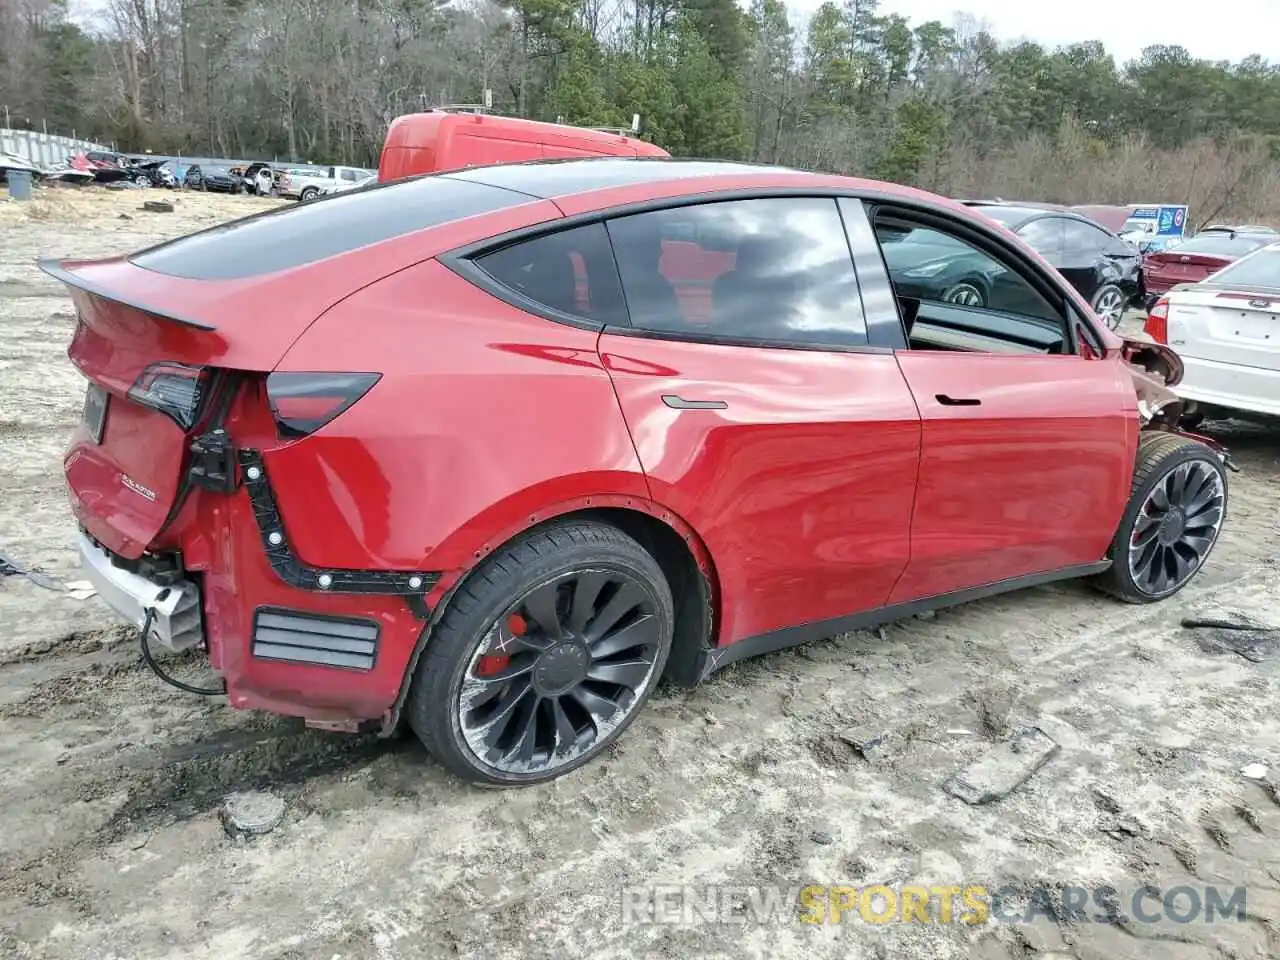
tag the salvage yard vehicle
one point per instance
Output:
(1105, 269)
(1197, 259)
(446, 139)
(341, 185)
(450, 449)
(213, 179)
(308, 184)
(1153, 227)
(1226, 331)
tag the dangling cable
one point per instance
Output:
(155, 667)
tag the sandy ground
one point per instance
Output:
(110, 782)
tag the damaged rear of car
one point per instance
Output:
(187, 401)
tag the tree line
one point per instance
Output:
(942, 106)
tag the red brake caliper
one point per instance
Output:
(492, 663)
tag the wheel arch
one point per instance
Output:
(679, 551)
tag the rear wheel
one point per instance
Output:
(1176, 507)
(310, 193)
(544, 655)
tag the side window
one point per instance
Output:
(349, 175)
(775, 270)
(570, 272)
(1083, 238)
(954, 296)
(1044, 236)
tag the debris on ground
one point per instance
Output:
(251, 813)
(81, 590)
(1121, 827)
(1238, 633)
(1005, 768)
(11, 568)
(157, 206)
(867, 742)
(822, 837)
(1254, 771)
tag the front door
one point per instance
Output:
(1027, 448)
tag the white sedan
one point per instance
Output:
(1227, 331)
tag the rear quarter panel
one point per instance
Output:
(485, 420)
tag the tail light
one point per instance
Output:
(173, 389)
(1157, 325)
(302, 403)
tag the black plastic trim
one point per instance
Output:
(718, 657)
(333, 650)
(296, 574)
(55, 269)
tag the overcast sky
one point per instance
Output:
(1219, 30)
(1222, 30)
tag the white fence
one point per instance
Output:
(43, 149)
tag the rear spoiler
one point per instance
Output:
(55, 269)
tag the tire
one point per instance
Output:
(966, 293)
(1162, 459)
(1109, 303)
(308, 193)
(491, 611)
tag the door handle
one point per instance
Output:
(946, 401)
(680, 403)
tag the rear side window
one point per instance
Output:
(772, 270)
(569, 272)
(1084, 237)
(1044, 236)
(303, 233)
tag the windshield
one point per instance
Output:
(1259, 269)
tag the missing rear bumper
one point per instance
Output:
(176, 621)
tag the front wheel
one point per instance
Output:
(967, 293)
(1177, 503)
(308, 194)
(1108, 304)
(544, 655)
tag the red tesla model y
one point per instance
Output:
(493, 451)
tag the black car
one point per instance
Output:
(1105, 269)
(217, 179)
(155, 173)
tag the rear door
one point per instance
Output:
(758, 411)
(1027, 448)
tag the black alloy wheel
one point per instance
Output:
(1177, 505)
(560, 671)
(544, 655)
(1176, 527)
